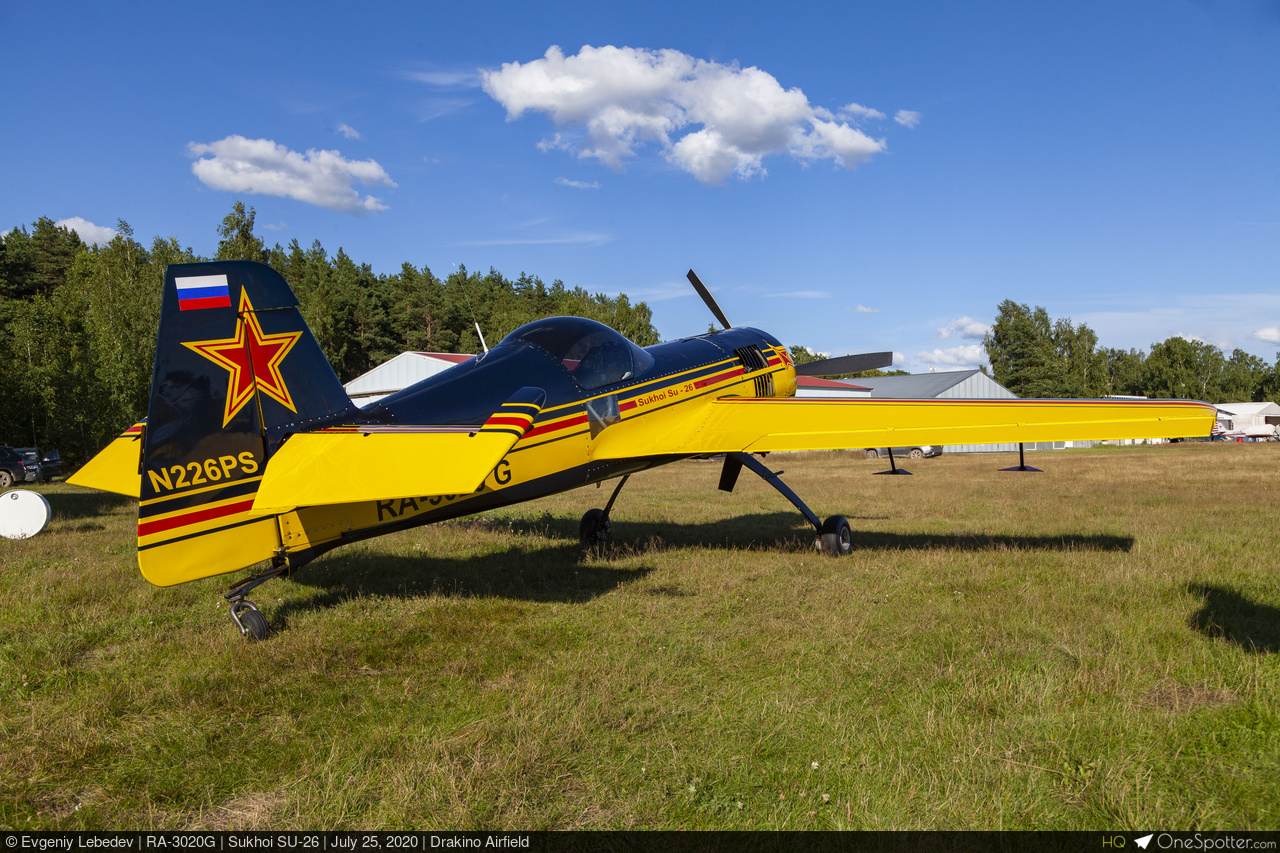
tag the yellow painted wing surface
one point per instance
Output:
(758, 425)
(115, 468)
(381, 463)
(317, 468)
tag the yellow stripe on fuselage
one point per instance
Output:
(558, 441)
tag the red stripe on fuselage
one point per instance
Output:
(712, 380)
(149, 527)
(559, 425)
(508, 421)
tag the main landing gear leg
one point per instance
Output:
(248, 618)
(834, 535)
(593, 530)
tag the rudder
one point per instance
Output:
(236, 369)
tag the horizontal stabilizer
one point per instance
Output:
(373, 463)
(115, 468)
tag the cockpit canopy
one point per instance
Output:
(594, 354)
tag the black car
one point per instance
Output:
(50, 462)
(14, 469)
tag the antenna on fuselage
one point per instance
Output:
(472, 309)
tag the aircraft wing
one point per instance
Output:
(115, 468)
(373, 463)
(733, 424)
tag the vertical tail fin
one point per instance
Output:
(236, 369)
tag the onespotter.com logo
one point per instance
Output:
(1188, 841)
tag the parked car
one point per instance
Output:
(903, 452)
(50, 462)
(15, 469)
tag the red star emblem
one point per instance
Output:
(253, 358)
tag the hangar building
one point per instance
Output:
(949, 384)
(399, 372)
(1248, 420)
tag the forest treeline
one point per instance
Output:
(78, 326)
(1034, 356)
(78, 322)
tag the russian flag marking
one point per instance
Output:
(203, 291)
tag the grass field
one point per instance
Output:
(1093, 647)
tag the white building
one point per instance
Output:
(970, 384)
(813, 386)
(399, 372)
(1248, 420)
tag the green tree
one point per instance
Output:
(1183, 369)
(38, 262)
(1022, 351)
(1122, 372)
(238, 242)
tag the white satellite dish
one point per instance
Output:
(23, 514)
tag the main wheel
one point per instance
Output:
(836, 537)
(593, 530)
(916, 453)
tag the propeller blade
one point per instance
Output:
(706, 297)
(846, 364)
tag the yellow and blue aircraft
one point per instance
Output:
(244, 456)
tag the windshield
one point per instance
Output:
(594, 354)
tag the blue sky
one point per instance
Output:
(852, 177)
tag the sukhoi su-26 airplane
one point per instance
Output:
(244, 456)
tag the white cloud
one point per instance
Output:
(969, 356)
(348, 131)
(322, 178)
(430, 109)
(96, 235)
(620, 98)
(862, 309)
(280, 226)
(858, 111)
(907, 118)
(965, 327)
(578, 185)
(1270, 335)
(468, 79)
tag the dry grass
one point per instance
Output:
(1092, 647)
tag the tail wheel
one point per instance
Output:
(256, 624)
(249, 620)
(593, 530)
(836, 537)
